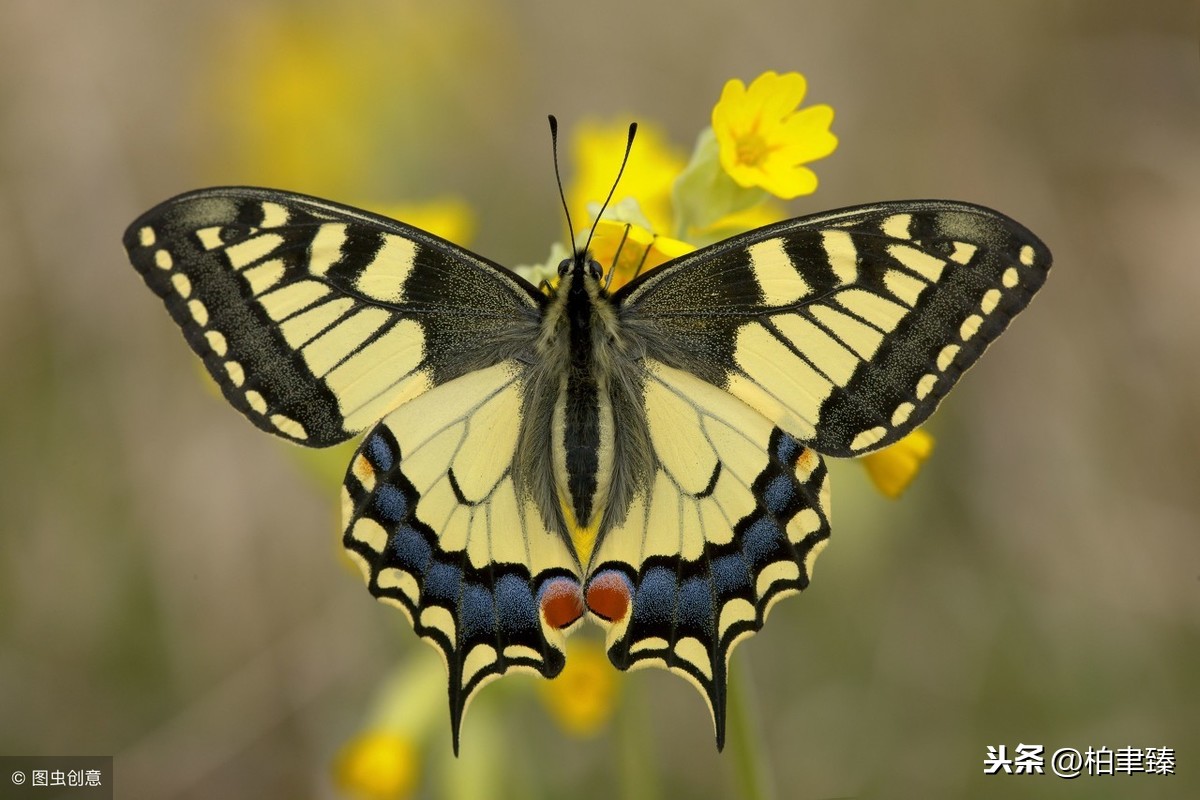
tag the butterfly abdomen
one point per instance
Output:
(582, 410)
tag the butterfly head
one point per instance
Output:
(580, 272)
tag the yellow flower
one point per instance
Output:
(581, 699)
(447, 217)
(377, 765)
(765, 138)
(290, 96)
(631, 250)
(291, 104)
(653, 164)
(893, 468)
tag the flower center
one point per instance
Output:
(751, 149)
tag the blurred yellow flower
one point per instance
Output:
(447, 217)
(287, 100)
(893, 468)
(341, 102)
(582, 698)
(377, 765)
(630, 250)
(596, 151)
(765, 138)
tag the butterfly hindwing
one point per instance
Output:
(316, 319)
(733, 519)
(846, 328)
(433, 517)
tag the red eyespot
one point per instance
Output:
(609, 595)
(561, 602)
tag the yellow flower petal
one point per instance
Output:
(729, 107)
(377, 766)
(789, 182)
(777, 95)
(765, 137)
(808, 135)
(893, 468)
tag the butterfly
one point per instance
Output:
(649, 458)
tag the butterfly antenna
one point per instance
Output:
(620, 172)
(558, 177)
(612, 269)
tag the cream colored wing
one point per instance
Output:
(732, 521)
(434, 519)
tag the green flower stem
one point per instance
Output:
(635, 757)
(744, 738)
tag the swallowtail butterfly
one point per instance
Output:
(650, 459)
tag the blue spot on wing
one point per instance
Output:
(761, 540)
(390, 503)
(787, 449)
(730, 575)
(443, 583)
(695, 604)
(779, 494)
(379, 453)
(654, 602)
(516, 610)
(476, 614)
(411, 550)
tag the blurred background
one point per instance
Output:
(171, 585)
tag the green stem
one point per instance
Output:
(745, 740)
(638, 778)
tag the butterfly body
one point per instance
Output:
(585, 432)
(650, 459)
